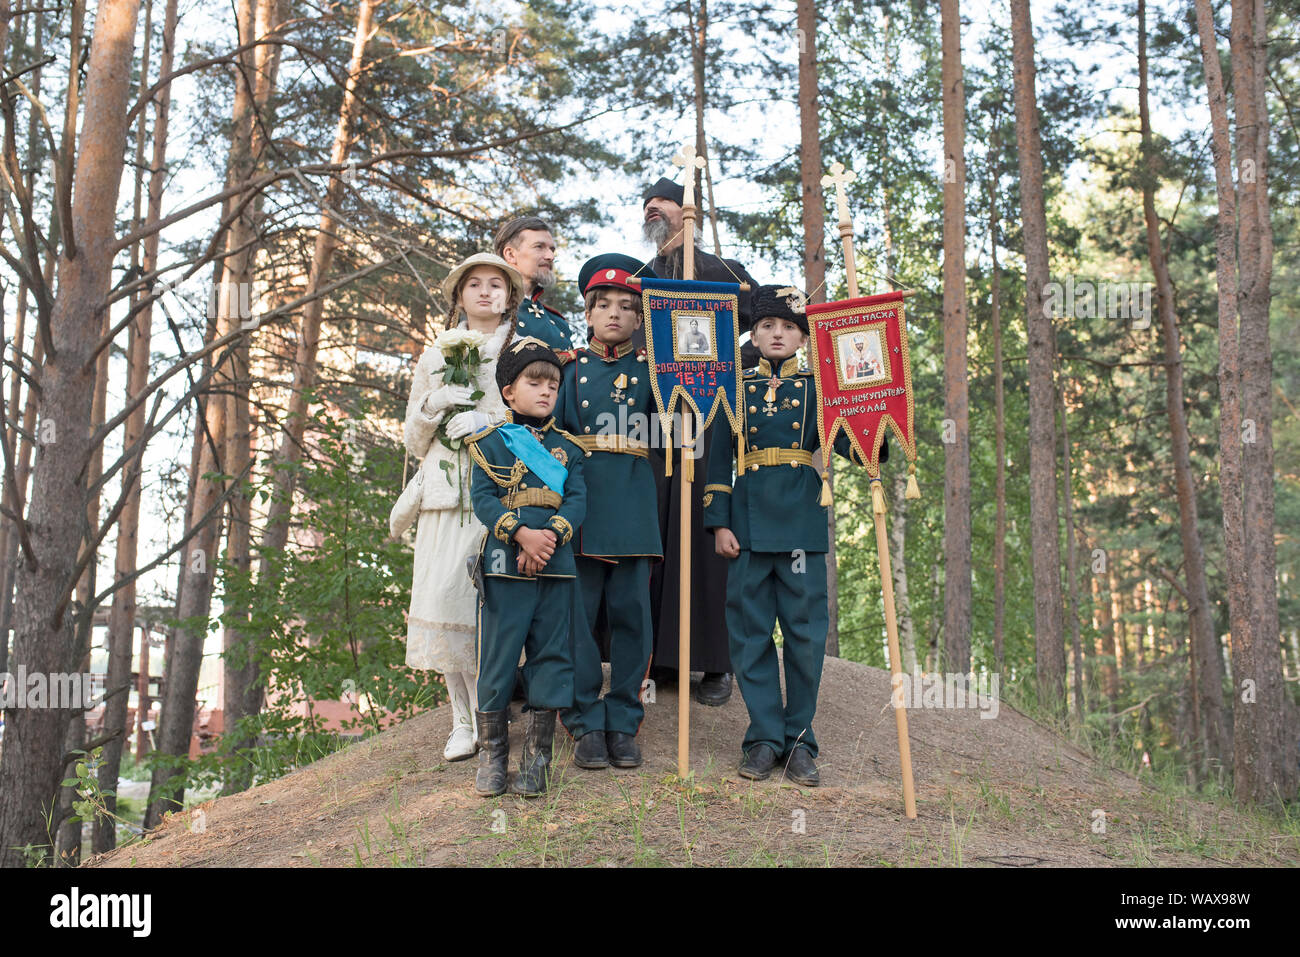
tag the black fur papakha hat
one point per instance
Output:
(519, 355)
(782, 302)
(664, 189)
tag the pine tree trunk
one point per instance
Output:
(1071, 563)
(999, 433)
(1105, 640)
(956, 475)
(814, 250)
(1205, 651)
(223, 419)
(33, 754)
(1265, 758)
(1044, 531)
(122, 624)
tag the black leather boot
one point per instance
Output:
(535, 762)
(494, 752)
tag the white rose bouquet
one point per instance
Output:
(460, 353)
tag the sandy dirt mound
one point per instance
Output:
(990, 792)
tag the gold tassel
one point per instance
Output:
(668, 464)
(913, 490)
(826, 489)
(877, 498)
(688, 462)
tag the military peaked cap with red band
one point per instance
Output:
(612, 269)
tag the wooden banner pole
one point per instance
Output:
(839, 177)
(689, 163)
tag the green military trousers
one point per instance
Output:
(762, 588)
(625, 586)
(533, 615)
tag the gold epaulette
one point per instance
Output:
(566, 355)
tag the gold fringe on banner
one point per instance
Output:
(877, 498)
(688, 461)
(913, 490)
(826, 489)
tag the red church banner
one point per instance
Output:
(864, 375)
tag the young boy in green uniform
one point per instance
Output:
(527, 488)
(605, 400)
(772, 527)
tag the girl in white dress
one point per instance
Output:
(484, 292)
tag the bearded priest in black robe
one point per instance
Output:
(662, 226)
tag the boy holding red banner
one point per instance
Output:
(772, 524)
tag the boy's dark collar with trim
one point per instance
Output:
(607, 352)
(532, 421)
(789, 367)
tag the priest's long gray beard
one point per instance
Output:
(656, 232)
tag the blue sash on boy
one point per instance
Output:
(513, 489)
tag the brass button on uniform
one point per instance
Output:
(634, 380)
(793, 425)
(631, 401)
(585, 403)
(795, 403)
(752, 388)
(583, 359)
(586, 428)
(798, 385)
(752, 410)
(583, 379)
(753, 428)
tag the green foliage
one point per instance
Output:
(328, 618)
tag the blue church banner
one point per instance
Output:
(693, 347)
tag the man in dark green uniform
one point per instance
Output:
(605, 400)
(527, 244)
(772, 527)
(527, 488)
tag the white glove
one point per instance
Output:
(444, 398)
(466, 423)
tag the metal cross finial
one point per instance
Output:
(839, 177)
(689, 162)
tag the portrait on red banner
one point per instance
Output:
(862, 361)
(863, 375)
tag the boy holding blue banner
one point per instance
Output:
(772, 525)
(605, 400)
(527, 488)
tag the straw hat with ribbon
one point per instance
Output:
(512, 275)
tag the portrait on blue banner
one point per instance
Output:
(693, 347)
